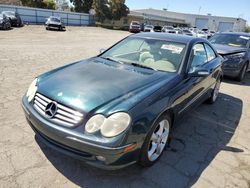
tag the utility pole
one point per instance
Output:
(199, 10)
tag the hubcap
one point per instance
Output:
(158, 140)
(216, 90)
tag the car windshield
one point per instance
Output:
(135, 23)
(156, 54)
(169, 28)
(186, 31)
(149, 26)
(9, 13)
(55, 19)
(230, 40)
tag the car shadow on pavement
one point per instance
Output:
(196, 141)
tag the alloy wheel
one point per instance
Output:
(216, 90)
(158, 140)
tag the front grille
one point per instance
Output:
(64, 115)
(53, 25)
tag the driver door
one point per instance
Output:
(193, 88)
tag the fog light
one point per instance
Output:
(101, 158)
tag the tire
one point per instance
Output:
(215, 92)
(154, 141)
(242, 74)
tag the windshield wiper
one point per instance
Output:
(143, 66)
(111, 59)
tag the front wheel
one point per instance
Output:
(156, 141)
(241, 76)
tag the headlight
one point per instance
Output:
(109, 127)
(235, 57)
(94, 123)
(115, 124)
(32, 90)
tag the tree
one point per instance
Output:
(82, 5)
(118, 9)
(102, 9)
(247, 29)
(62, 5)
(48, 4)
(110, 9)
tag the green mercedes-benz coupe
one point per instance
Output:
(119, 108)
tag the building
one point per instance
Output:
(11, 2)
(164, 17)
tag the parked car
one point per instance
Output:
(201, 34)
(135, 27)
(168, 29)
(119, 108)
(54, 22)
(157, 28)
(235, 48)
(149, 28)
(187, 32)
(14, 17)
(208, 33)
(4, 22)
(178, 31)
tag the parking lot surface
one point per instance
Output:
(209, 148)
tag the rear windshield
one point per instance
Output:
(230, 40)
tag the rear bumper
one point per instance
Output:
(67, 142)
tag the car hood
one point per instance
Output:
(92, 84)
(225, 49)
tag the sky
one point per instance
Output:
(230, 8)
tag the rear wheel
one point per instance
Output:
(241, 76)
(156, 141)
(215, 92)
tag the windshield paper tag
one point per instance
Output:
(174, 49)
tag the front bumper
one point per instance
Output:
(55, 26)
(231, 72)
(68, 142)
(133, 30)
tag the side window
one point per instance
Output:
(198, 55)
(210, 53)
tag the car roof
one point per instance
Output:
(8, 12)
(236, 33)
(55, 17)
(170, 37)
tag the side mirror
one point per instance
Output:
(102, 50)
(198, 72)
